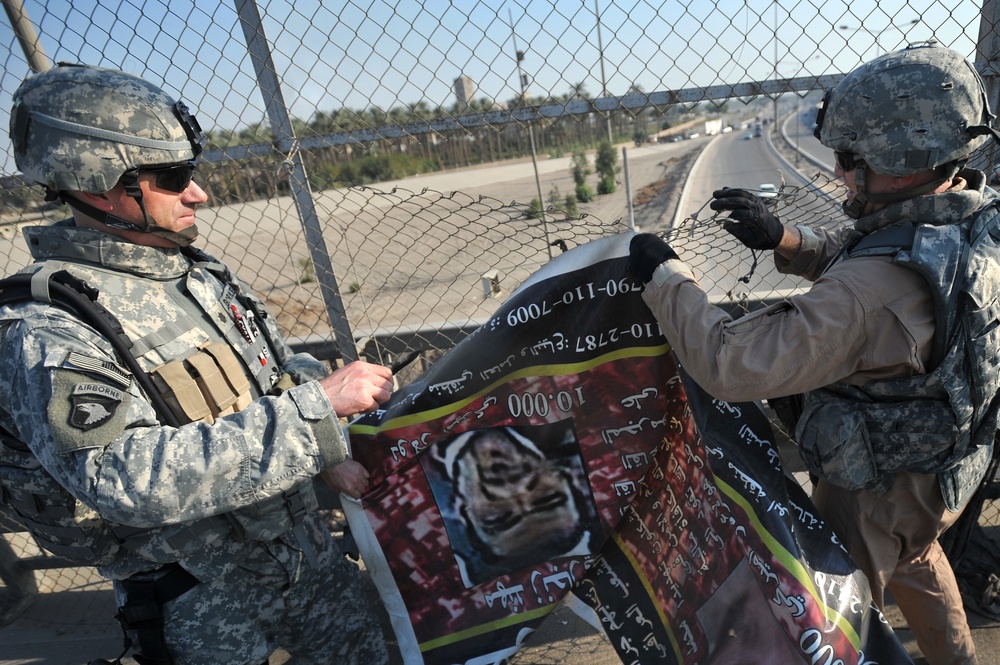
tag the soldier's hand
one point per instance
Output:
(645, 252)
(357, 387)
(348, 477)
(749, 220)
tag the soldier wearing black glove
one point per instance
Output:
(646, 252)
(749, 219)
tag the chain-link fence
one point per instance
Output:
(383, 174)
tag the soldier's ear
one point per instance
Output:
(103, 201)
(902, 183)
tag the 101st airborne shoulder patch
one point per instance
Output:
(89, 402)
(93, 404)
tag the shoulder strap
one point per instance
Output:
(201, 258)
(63, 290)
(892, 240)
(886, 241)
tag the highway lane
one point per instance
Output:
(798, 127)
(727, 270)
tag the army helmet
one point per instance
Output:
(80, 128)
(907, 111)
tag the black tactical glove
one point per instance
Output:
(646, 252)
(749, 219)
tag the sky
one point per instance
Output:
(389, 53)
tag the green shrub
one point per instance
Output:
(323, 177)
(348, 174)
(369, 169)
(555, 198)
(534, 210)
(308, 271)
(570, 205)
(579, 167)
(606, 161)
(606, 185)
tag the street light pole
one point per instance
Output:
(600, 53)
(798, 104)
(902, 27)
(518, 57)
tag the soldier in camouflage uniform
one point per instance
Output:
(899, 395)
(198, 504)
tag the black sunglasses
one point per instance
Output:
(845, 160)
(173, 178)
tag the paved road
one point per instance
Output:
(726, 269)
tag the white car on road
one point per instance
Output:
(767, 191)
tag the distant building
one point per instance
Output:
(465, 89)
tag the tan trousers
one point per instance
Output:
(892, 537)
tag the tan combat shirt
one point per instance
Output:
(863, 319)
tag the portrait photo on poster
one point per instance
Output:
(513, 497)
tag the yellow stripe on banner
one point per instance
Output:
(792, 564)
(650, 593)
(539, 370)
(512, 620)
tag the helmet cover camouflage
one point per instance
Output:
(79, 128)
(907, 111)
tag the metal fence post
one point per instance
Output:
(988, 61)
(27, 36)
(628, 189)
(285, 141)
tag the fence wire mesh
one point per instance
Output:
(449, 150)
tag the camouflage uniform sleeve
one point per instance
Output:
(303, 367)
(91, 427)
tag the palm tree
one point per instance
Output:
(633, 89)
(578, 92)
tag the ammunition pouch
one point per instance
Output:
(204, 386)
(854, 442)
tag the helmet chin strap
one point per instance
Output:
(856, 206)
(862, 197)
(182, 238)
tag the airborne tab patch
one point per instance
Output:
(92, 405)
(104, 368)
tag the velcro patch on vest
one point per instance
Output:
(93, 404)
(105, 368)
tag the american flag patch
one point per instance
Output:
(105, 368)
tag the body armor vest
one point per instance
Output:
(198, 384)
(942, 422)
